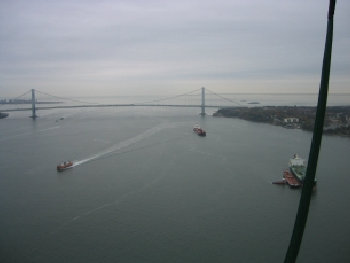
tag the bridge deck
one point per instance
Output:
(114, 105)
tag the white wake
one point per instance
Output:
(119, 146)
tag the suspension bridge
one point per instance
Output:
(30, 97)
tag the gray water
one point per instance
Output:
(146, 189)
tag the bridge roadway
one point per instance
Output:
(113, 105)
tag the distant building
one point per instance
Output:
(291, 123)
(291, 120)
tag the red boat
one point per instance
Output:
(199, 130)
(64, 165)
(291, 180)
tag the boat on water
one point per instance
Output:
(291, 180)
(199, 131)
(295, 175)
(298, 169)
(3, 115)
(64, 165)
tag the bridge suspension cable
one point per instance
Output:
(16, 98)
(222, 97)
(25, 93)
(172, 97)
(154, 102)
(63, 98)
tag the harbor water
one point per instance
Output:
(145, 188)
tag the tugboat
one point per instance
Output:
(199, 131)
(295, 175)
(291, 180)
(3, 115)
(64, 165)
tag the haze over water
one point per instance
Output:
(145, 188)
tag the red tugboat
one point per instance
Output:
(199, 131)
(64, 165)
(291, 180)
(295, 175)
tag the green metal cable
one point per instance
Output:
(304, 204)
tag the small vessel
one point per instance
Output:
(291, 180)
(294, 177)
(64, 165)
(283, 182)
(60, 119)
(3, 115)
(199, 131)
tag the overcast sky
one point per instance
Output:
(138, 47)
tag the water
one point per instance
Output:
(146, 189)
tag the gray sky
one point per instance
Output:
(139, 47)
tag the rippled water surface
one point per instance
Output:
(144, 188)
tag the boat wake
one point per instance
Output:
(124, 144)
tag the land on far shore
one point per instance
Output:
(337, 120)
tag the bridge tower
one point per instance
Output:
(203, 102)
(34, 116)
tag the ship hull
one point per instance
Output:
(64, 166)
(3, 115)
(291, 180)
(199, 131)
(300, 176)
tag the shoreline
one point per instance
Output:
(337, 120)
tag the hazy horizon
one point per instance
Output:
(126, 48)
